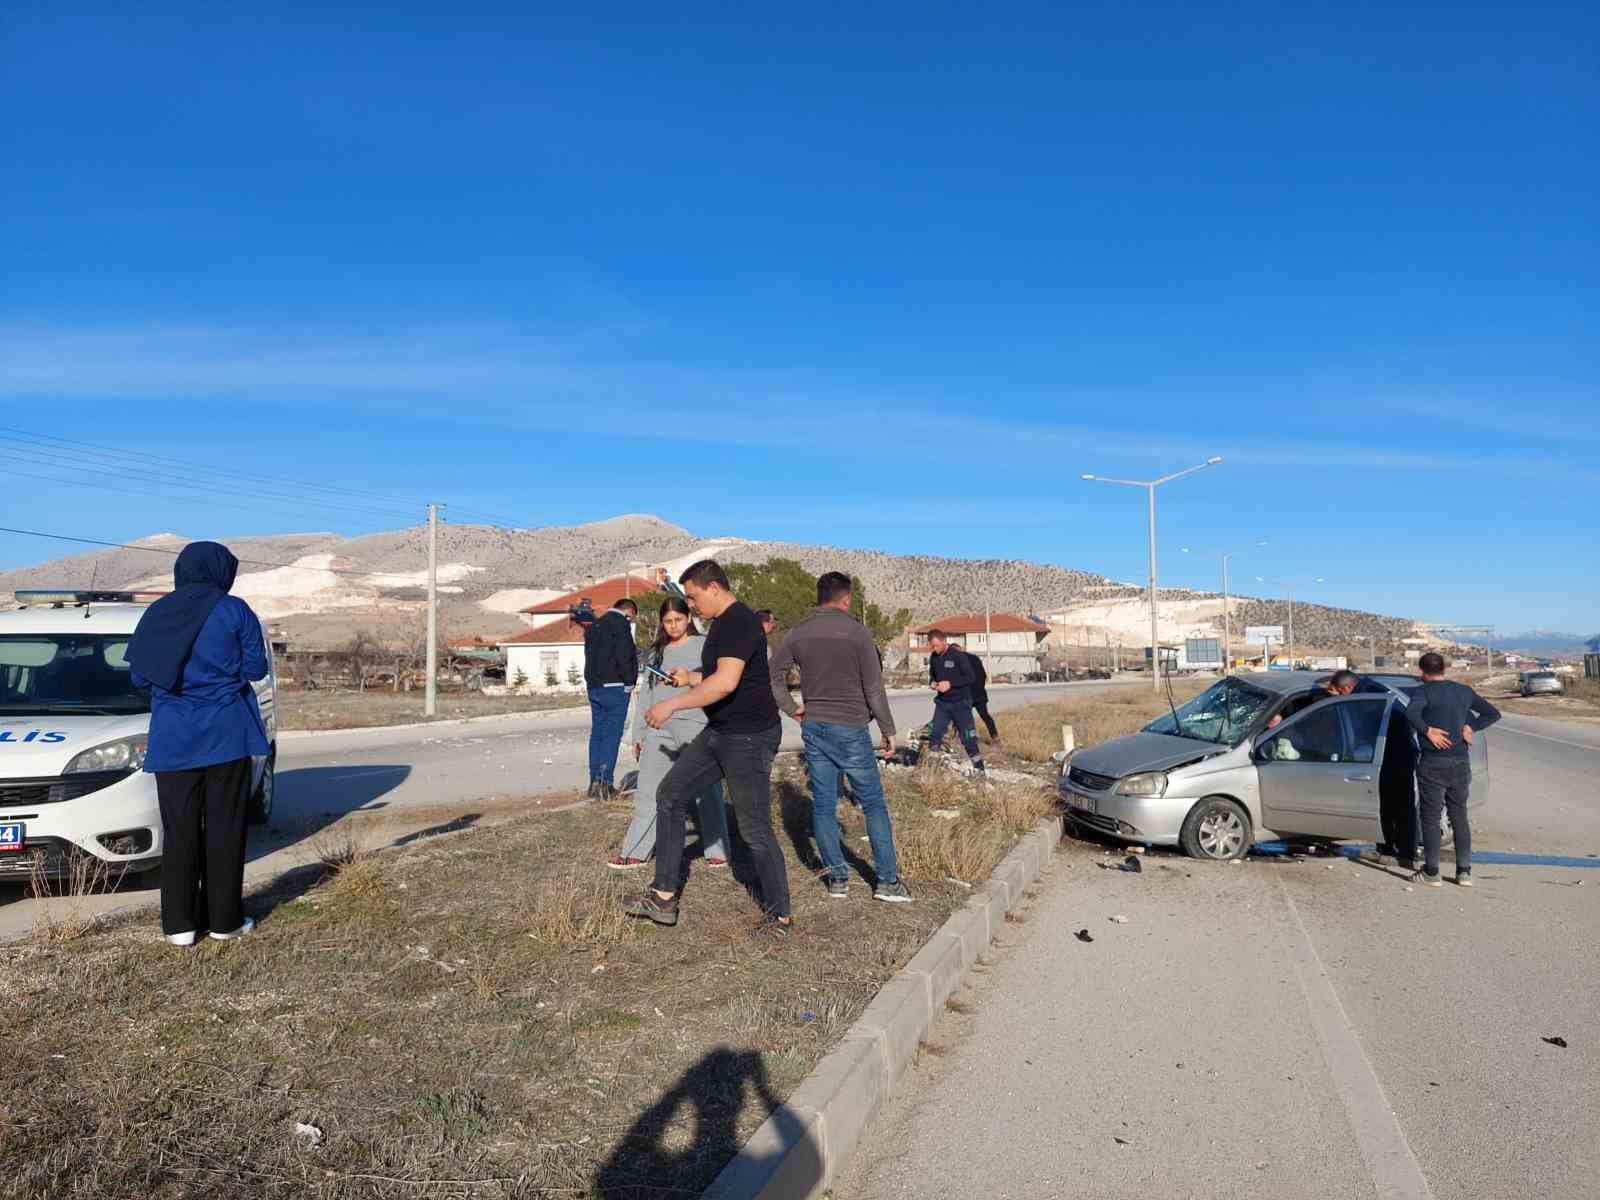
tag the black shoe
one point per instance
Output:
(653, 907)
(594, 789)
(775, 930)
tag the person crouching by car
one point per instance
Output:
(610, 670)
(677, 647)
(198, 650)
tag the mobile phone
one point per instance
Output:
(658, 673)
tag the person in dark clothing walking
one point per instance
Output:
(951, 677)
(980, 694)
(738, 745)
(198, 650)
(610, 670)
(1445, 715)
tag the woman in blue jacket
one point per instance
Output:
(198, 650)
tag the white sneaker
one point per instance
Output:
(247, 927)
(181, 939)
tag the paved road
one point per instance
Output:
(397, 782)
(1282, 1029)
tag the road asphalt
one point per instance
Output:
(395, 783)
(1281, 1029)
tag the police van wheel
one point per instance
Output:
(260, 809)
(1217, 828)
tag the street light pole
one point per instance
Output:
(1150, 486)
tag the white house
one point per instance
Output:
(549, 657)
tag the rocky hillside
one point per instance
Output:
(321, 587)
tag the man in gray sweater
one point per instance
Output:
(841, 685)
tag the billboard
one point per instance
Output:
(1261, 635)
(1202, 652)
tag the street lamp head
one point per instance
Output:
(1086, 477)
(1214, 460)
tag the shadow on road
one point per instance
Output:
(646, 1163)
(309, 799)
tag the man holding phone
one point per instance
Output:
(738, 745)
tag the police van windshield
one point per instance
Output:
(1223, 713)
(65, 673)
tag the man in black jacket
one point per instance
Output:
(951, 677)
(980, 694)
(610, 670)
(1445, 715)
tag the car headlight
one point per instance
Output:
(1147, 783)
(124, 754)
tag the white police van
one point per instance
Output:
(73, 732)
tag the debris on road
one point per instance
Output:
(308, 1136)
(1119, 919)
(1083, 935)
(1560, 1042)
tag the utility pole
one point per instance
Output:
(988, 631)
(430, 693)
(1150, 486)
(1289, 591)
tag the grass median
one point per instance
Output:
(320, 709)
(1033, 733)
(470, 1015)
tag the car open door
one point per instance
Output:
(1318, 771)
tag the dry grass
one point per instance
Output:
(299, 709)
(85, 875)
(1033, 733)
(471, 1016)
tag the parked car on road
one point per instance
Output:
(73, 734)
(1541, 683)
(1215, 777)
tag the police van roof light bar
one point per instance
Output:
(61, 597)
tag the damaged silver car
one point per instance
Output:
(1253, 758)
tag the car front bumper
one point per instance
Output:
(1152, 820)
(127, 809)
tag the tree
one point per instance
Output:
(573, 674)
(551, 679)
(644, 629)
(520, 679)
(790, 591)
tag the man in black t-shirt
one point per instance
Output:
(738, 744)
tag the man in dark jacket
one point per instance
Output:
(980, 694)
(610, 670)
(1445, 715)
(951, 677)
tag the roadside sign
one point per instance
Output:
(1262, 635)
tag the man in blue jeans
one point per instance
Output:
(610, 669)
(841, 685)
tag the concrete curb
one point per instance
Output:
(799, 1149)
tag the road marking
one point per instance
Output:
(1396, 1175)
(1545, 737)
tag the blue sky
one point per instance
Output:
(889, 276)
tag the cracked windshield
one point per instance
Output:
(1221, 714)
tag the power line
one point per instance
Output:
(190, 466)
(251, 562)
(51, 456)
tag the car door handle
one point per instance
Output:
(1358, 778)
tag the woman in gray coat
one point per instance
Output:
(676, 645)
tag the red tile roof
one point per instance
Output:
(602, 595)
(974, 623)
(549, 634)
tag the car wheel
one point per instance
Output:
(261, 800)
(1216, 828)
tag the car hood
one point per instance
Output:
(1143, 752)
(38, 747)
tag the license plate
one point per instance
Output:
(11, 836)
(1083, 803)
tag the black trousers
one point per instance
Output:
(980, 705)
(1442, 786)
(1397, 813)
(744, 760)
(202, 856)
(958, 713)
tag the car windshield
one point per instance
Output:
(64, 673)
(1221, 714)
(1541, 675)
